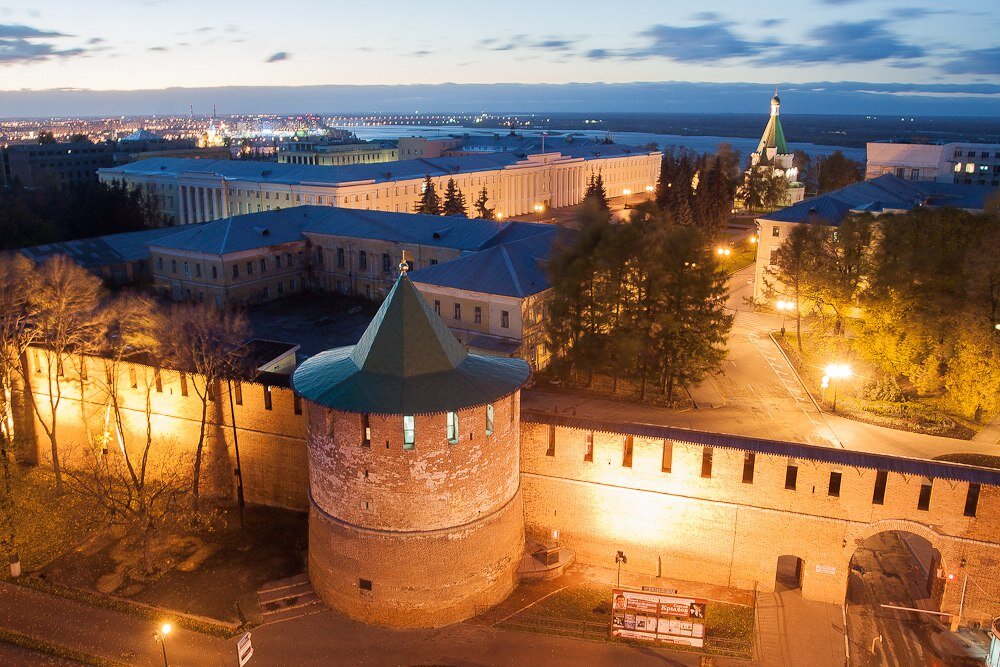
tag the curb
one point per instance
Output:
(795, 370)
(56, 650)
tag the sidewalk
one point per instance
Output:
(104, 633)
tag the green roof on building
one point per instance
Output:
(774, 137)
(406, 363)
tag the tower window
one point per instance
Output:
(365, 585)
(878, 495)
(972, 500)
(551, 451)
(589, 455)
(668, 456)
(453, 428)
(791, 476)
(834, 489)
(706, 462)
(924, 500)
(627, 452)
(366, 432)
(489, 419)
(408, 432)
(749, 461)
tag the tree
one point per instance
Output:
(46, 138)
(16, 334)
(429, 202)
(454, 200)
(595, 190)
(207, 344)
(79, 138)
(789, 273)
(137, 485)
(763, 189)
(803, 164)
(481, 206)
(837, 171)
(67, 320)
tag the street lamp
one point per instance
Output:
(836, 372)
(538, 209)
(161, 637)
(649, 191)
(626, 192)
(783, 307)
(620, 558)
(499, 216)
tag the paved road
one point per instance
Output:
(885, 571)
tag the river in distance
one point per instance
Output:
(699, 144)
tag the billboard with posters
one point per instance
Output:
(658, 617)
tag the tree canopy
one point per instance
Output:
(429, 202)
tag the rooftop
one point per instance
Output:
(298, 174)
(103, 250)
(406, 363)
(887, 193)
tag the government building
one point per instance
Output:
(516, 182)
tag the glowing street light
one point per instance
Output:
(753, 239)
(161, 637)
(836, 372)
(499, 216)
(538, 209)
(649, 191)
(783, 307)
(626, 192)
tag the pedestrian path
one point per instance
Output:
(107, 634)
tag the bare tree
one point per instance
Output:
(207, 344)
(16, 334)
(135, 486)
(66, 318)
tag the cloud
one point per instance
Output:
(707, 16)
(704, 43)
(549, 43)
(277, 57)
(158, 49)
(976, 61)
(95, 40)
(771, 23)
(847, 42)
(838, 3)
(12, 31)
(421, 53)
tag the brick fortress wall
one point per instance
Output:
(414, 537)
(672, 520)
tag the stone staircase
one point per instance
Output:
(286, 599)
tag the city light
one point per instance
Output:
(836, 372)
(626, 192)
(723, 252)
(783, 308)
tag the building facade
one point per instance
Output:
(772, 151)
(202, 190)
(957, 162)
(334, 154)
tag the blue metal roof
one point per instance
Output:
(299, 174)
(452, 231)
(900, 464)
(885, 193)
(103, 250)
(518, 268)
(243, 232)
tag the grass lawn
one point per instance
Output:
(920, 414)
(981, 460)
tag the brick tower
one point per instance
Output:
(415, 515)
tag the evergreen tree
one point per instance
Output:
(837, 171)
(454, 200)
(595, 189)
(429, 202)
(762, 188)
(482, 210)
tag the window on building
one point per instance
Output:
(296, 403)
(433, 262)
(267, 397)
(158, 380)
(791, 476)
(236, 270)
(277, 261)
(263, 265)
(281, 287)
(773, 261)
(366, 432)
(513, 408)
(458, 311)
(504, 319)
(340, 258)
(365, 585)
(627, 452)
(589, 454)
(834, 488)
(749, 461)
(288, 259)
(775, 231)
(489, 419)
(215, 272)
(362, 260)
(159, 262)
(666, 465)
(249, 268)
(437, 307)
(477, 315)
(706, 461)
(266, 292)
(132, 380)
(386, 263)
(972, 500)
(184, 385)
(238, 392)
(453, 427)
(408, 432)
(551, 451)
(173, 266)
(878, 495)
(924, 500)
(197, 270)
(319, 256)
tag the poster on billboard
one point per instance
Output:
(658, 617)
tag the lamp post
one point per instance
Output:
(649, 192)
(783, 307)
(620, 558)
(626, 192)
(161, 637)
(837, 372)
(538, 209)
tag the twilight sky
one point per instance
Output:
(155, 44)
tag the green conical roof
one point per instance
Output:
(774, 137)
(407, 362)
